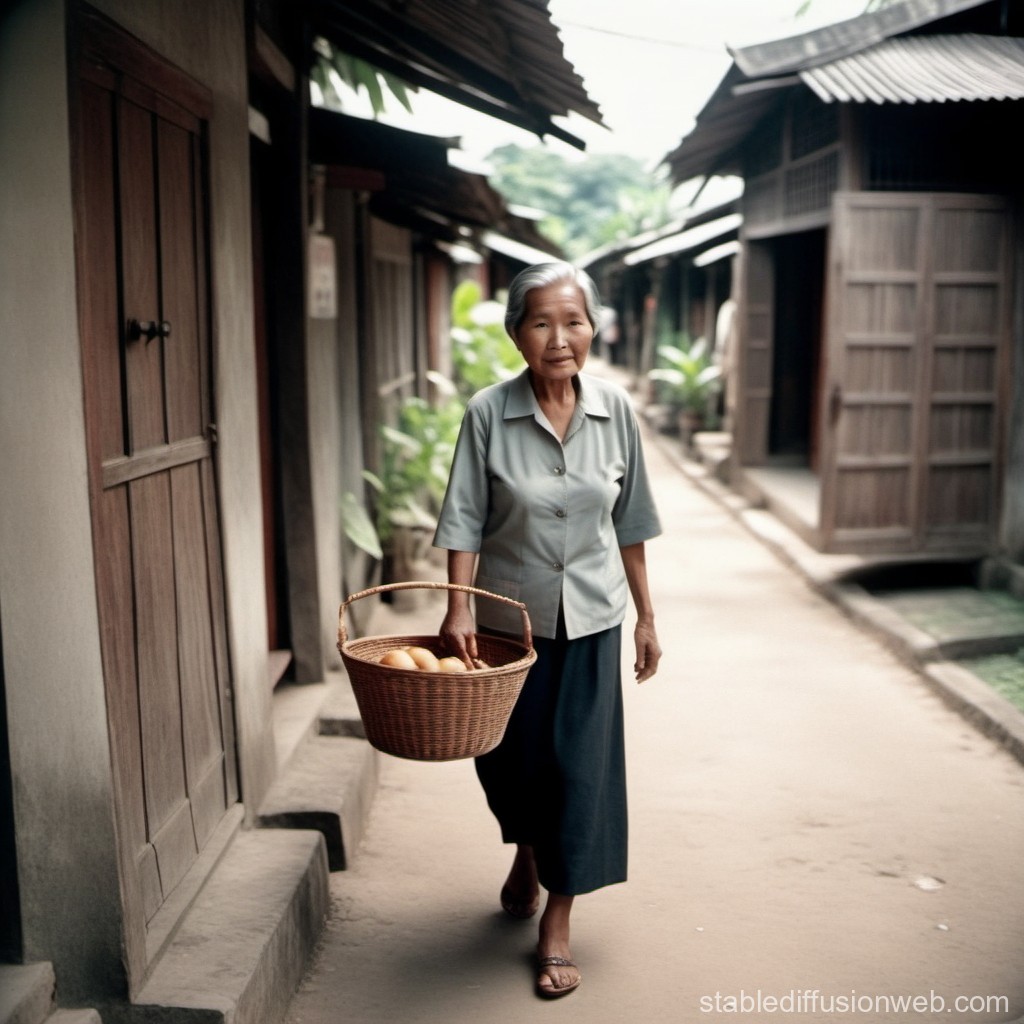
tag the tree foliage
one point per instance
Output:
(587, 203)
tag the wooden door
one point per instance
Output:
(754, 366)
(918, 329)
(144, 320)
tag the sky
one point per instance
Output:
(650, 65)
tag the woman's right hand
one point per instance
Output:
(458, 634)
(458, 630)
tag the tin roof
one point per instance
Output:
(843, 38)
(687, 240)
(882, 57)
(503, 58)
(925, 69)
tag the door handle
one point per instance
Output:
(148, 329)
(835, 403)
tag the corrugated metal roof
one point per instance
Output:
(925, 69)
(829, 57)
(504, 57)
(844, 38)
(692, 238)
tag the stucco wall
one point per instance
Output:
(60, 758)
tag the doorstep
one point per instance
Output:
(242, 948)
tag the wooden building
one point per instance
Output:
(195, 324)
(880, 334)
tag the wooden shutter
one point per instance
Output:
(917, 332)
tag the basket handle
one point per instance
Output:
(433, 585)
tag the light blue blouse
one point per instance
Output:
(548, 517)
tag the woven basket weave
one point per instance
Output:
(435, 716)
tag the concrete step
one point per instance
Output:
(87, 1016)
(27, 993)
(241, 950)
(328, 785)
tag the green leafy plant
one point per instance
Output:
(416, 458)
(359, 526)
(331, 68)
(687, 378)
(418, 443)
(482, 352)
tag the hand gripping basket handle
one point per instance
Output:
(434, 585)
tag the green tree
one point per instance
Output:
(587, 203)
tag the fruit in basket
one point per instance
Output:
(425, 660)
(451, 664)
(480, 663)
(398, 658)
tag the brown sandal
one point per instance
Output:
(517, 908)
(551, 992)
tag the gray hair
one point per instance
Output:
(540, 275)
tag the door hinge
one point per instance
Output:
(211, 433)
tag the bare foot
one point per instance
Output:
(520, 895)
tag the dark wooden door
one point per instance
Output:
(918, 339)
(142, 252)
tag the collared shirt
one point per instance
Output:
(548, 517)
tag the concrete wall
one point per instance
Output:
(60, 756)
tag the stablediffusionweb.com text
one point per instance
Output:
(813, 1001)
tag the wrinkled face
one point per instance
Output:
(555, 335)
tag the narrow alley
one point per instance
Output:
(814, 835)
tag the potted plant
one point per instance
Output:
(688, 381)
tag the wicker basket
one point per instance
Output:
(435, 716)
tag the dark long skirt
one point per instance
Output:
(557, 780)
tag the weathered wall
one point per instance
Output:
(60, 758)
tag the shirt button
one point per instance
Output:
(560, 513)
(557, 566)
(559, 470)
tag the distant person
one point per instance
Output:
(549, 490)
(725, 359)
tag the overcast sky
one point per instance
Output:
(650, 65)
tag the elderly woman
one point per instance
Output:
(549, 491)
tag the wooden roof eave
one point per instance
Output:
(425, 61)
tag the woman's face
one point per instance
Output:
(555, 335)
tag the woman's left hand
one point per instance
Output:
(648, 651)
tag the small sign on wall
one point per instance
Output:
(323, 291)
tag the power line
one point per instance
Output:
(719, 50)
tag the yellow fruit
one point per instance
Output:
(398, 659)
(425, 660)
(451, 664)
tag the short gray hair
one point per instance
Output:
(540, 275)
